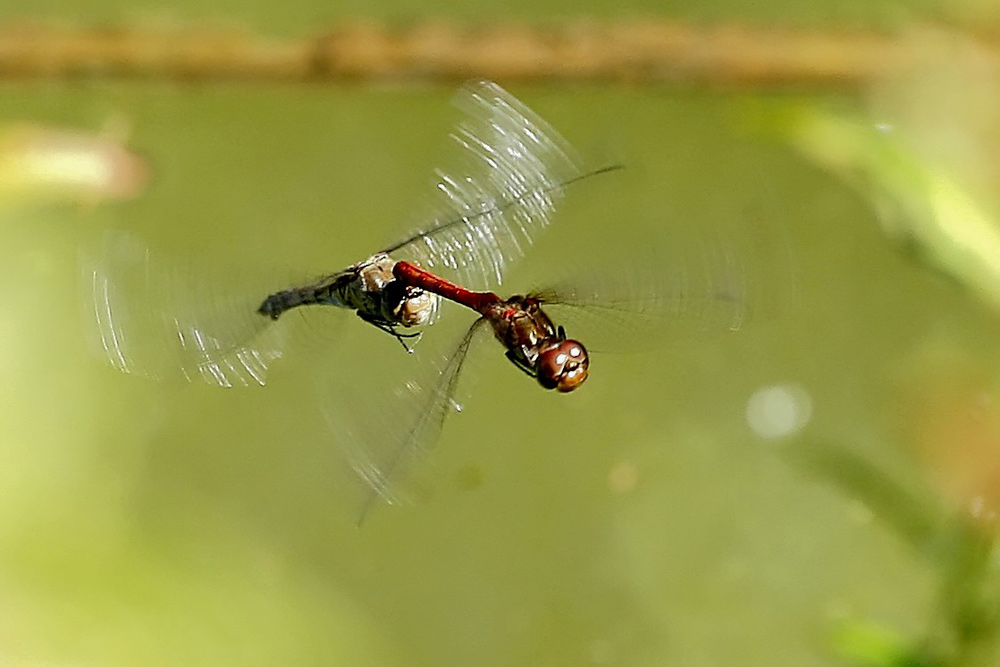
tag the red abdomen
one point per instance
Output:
(413, 275)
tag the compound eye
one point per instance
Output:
(563, 366)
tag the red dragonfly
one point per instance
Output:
(707, 291)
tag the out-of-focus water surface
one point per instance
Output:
(639, 521)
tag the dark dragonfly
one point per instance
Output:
(154, 317)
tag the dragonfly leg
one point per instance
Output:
(514, 359)
(402, 338)
(393, 330)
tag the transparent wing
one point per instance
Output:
(387, 418)
(156, 318)
(510, 173)
(637, 302)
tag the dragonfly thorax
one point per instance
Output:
(378, 296)
(536, 346)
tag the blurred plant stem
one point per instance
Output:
(640, 51)
(928, 209)
(965, 628)
(923, 150)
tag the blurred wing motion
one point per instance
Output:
(160, 319)
(638, 302)
(510, 173)
(154, 317)
(385, 421)
(393, 422)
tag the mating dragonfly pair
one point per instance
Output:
(514, 169)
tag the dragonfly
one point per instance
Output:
(633, 301)
(155, 318)
(374, 289)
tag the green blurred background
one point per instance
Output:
(145, 523)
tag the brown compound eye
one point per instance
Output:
(563, 366)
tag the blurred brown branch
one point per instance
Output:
(636, 51)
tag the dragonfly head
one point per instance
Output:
(562, 366)
(417, 307)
